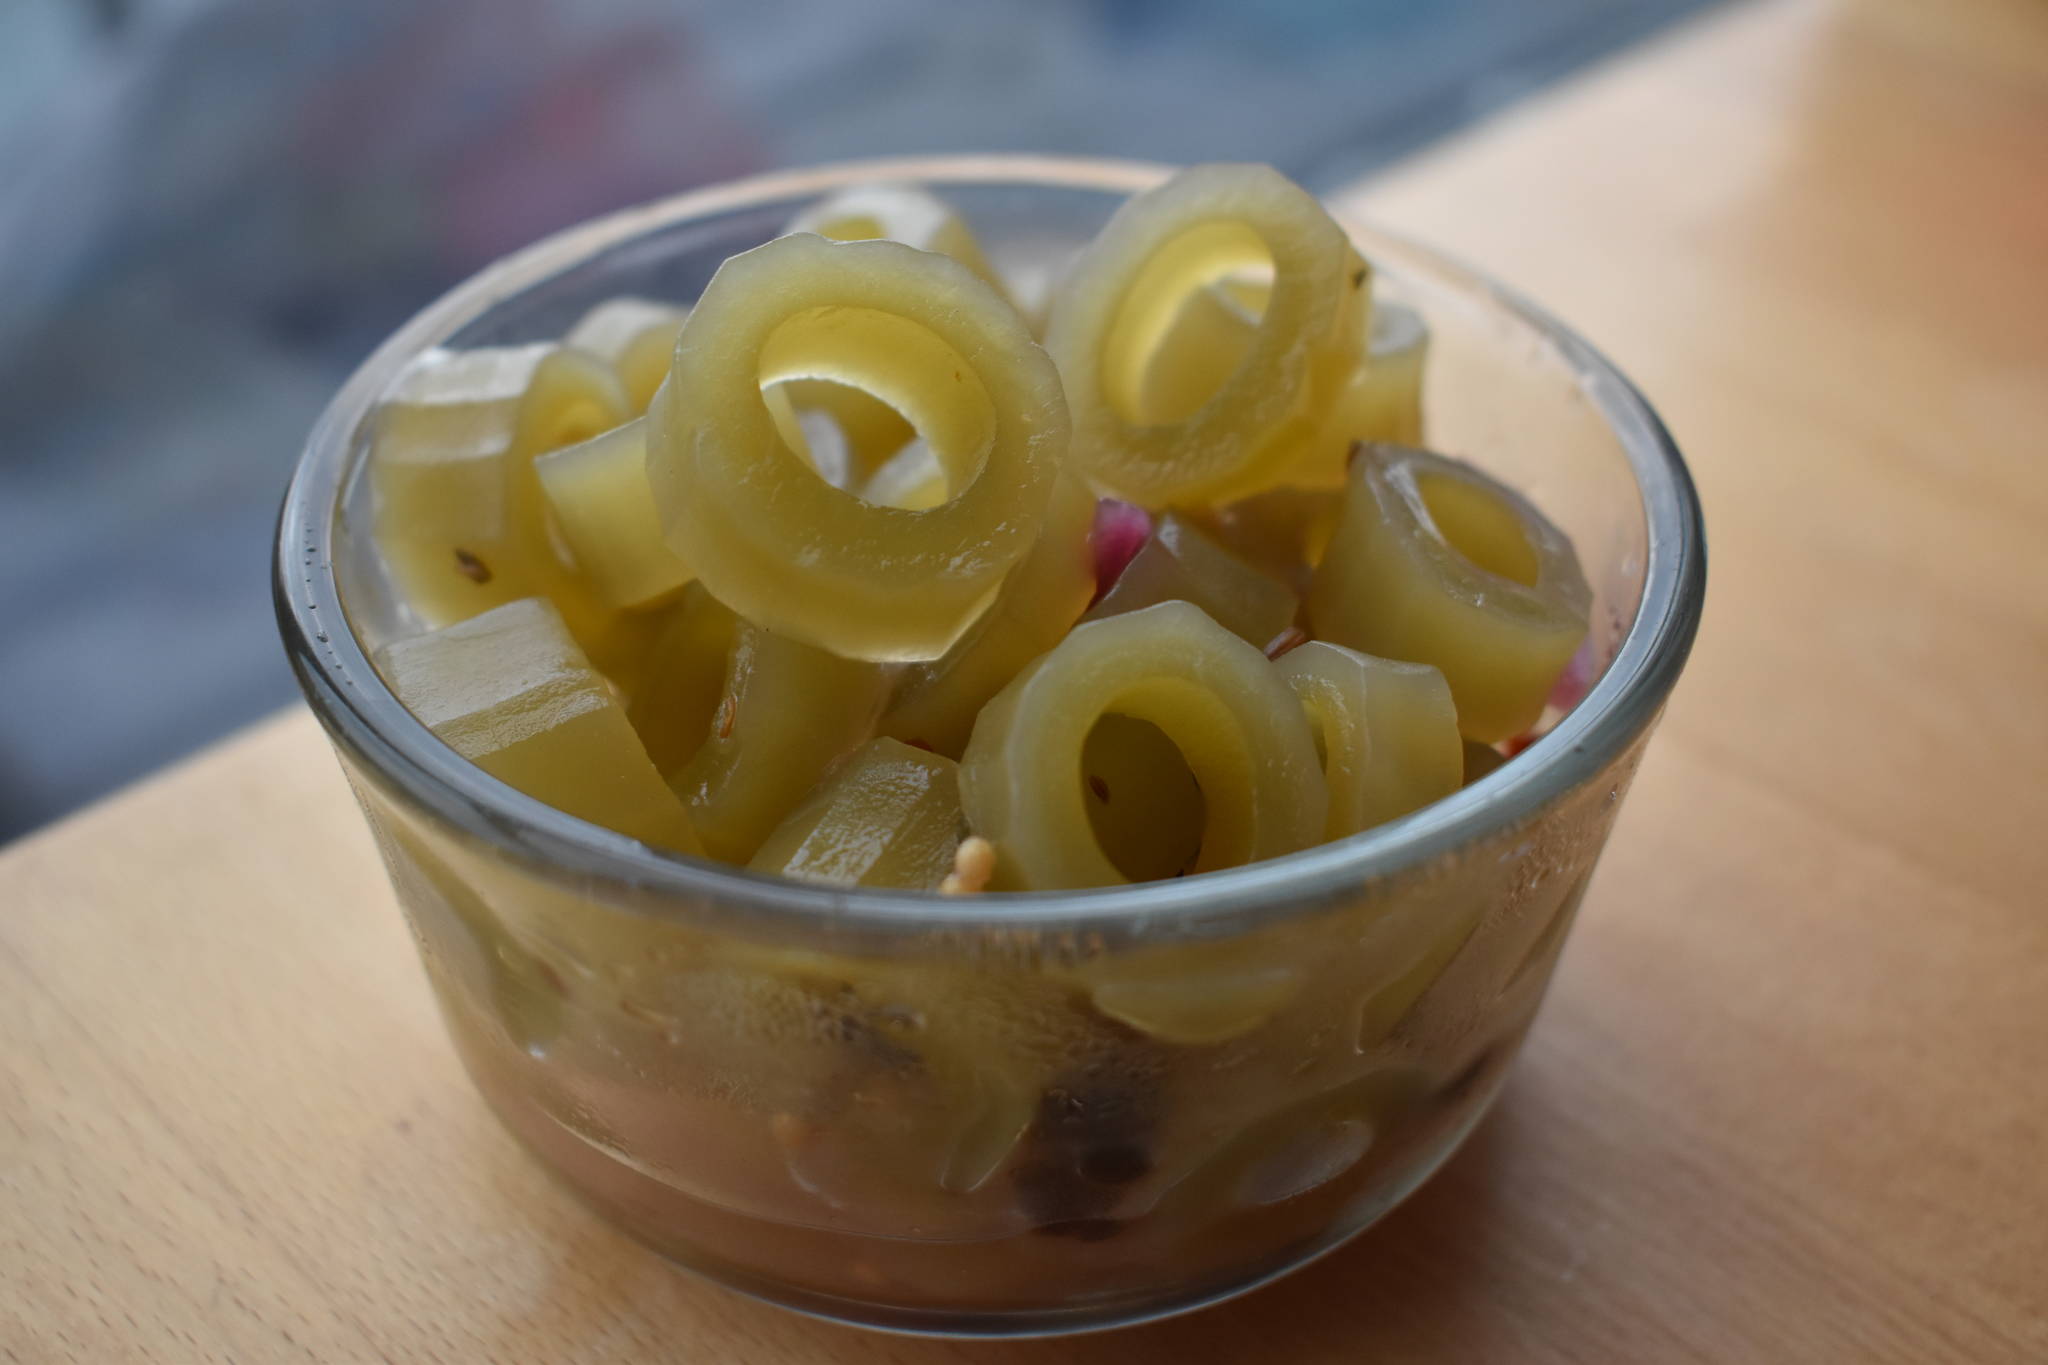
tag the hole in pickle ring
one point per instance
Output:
(857, 442)
(1154, 830)
(1479, 526)
(869, 421)
(1186, 322)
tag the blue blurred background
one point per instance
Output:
(210, 210)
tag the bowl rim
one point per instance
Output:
(367, 722)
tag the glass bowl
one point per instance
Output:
(1004, 1114)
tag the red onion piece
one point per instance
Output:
(1577, 678)
(1119, 533)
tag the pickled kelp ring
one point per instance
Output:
(1236, 722)
(1434, 561)
(1126, 293)
(787, 550)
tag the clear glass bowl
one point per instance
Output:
(1017, 1114)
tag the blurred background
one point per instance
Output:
(210, 210)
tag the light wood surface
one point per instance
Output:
(1788, 1098)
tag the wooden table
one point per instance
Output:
(1788, 1099)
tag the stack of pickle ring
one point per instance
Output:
(794, 554)
(1130, 289)
(1235, 720)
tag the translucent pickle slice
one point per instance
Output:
(786, 714)
(1436, 563)
(1236, 723)
(1179, 563)
(444, 517)
(1382, 401)
(936, 703)
(573, 397)
(889, 816)
(908, 214)
(1132, 287)
(636, 337)
(683, 678)
(816, 563)
(510, 691)
(1388, 732)
(602, 506)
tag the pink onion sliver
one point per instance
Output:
(1577, 678)
(1119, 533)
